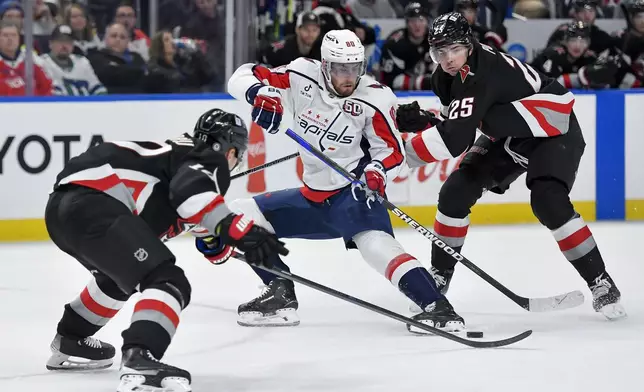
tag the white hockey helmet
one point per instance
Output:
(342, 52)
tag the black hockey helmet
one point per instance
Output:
(448, 29)
(461, 5)
(578, 29)
(223, 131)
(415, 10)
(587, 4)
(633, 7)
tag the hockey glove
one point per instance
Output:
(214, 249)
(374, 179)
(411, 118)
(259, 245)
(602, 73)
(267, 107)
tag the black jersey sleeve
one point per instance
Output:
(200, 179)
(396, 69)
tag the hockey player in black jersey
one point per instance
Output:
(111, 208)
(469, 9)
(528, 125)
(629, 46)
(405, 63)
(573, 64)
(585, 11)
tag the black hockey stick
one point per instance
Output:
(563, 301)
(388, 313)
(265, 165)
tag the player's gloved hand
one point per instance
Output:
(602, 73)
(214, 249)
(374, 180)
(411, 118)
(258, 244)
(267, 107)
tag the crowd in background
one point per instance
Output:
(104, 46)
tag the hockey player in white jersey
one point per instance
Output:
(71, 74)
(351, 118)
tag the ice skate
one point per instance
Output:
(142, 372)
(83, 354)
(275, 307)
(442, 278)
(441, 315)
(606, 297)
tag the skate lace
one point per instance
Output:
(92, 342)
(440, 279)
(265, 291)
(600, 286)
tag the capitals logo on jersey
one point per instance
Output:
(319, 125)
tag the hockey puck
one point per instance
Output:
(474, 334)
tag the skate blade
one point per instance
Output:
(136, 383)
(60, 361)
(613, 311)
(453, 327)
(281, 318)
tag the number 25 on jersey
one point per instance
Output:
(460, 108)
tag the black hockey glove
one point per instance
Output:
(602, 73)
(258, 244)
(411, 118)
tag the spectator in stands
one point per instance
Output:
(44, 21)
(629, 46)
(305, 42)
(139, 42)
(585, 11)
(469, 8)
(121, 70)
(489, 10)
(176, 66)
(406, 63)
(85, 38)
(71, 74)
(12, 11)
(12, 65)
(333, 16)
(371, 9)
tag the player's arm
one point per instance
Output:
(392, 65)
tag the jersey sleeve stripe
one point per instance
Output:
(275, 79)
(383, 130)
(421, 150)
(432, 141)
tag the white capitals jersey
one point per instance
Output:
(352, 130)
(78, 80)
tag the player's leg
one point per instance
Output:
(370, 231)
(124, 248)
(289, 215)
(73, 347)
(485, 166)
(551, 175)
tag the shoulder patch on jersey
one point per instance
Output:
(397, 35)
(465, 72)
(560, 49)
(278, 45)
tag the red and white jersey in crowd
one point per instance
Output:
(12, 77)
(352, 130)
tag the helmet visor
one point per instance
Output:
(346, 70)
(439, 54)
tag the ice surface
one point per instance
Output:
(340, 347)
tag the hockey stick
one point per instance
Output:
(265, 165)
(388, 313)
(563, 301)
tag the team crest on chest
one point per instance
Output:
(465, 72)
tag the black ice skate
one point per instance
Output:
(141, 372)
(441, 315)
(442, 278)
(606, 297)
(275, 307)
(83, 354)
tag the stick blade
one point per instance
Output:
(559, 302)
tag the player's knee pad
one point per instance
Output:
(110, 288)
(377, 248)
(170, 278)
(458, 194)
(550, 202)
(251, 210)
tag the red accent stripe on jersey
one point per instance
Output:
(637, 83)
(196, 218)
(316, 196)
(450, 231)
(162, 307)
(574, 239)
(397, 262)
(405, 83)
(95, 307)
(382, 130)
(567, 81)
(418, 144)
(102, 184)
(533, 105)
(279, 80)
